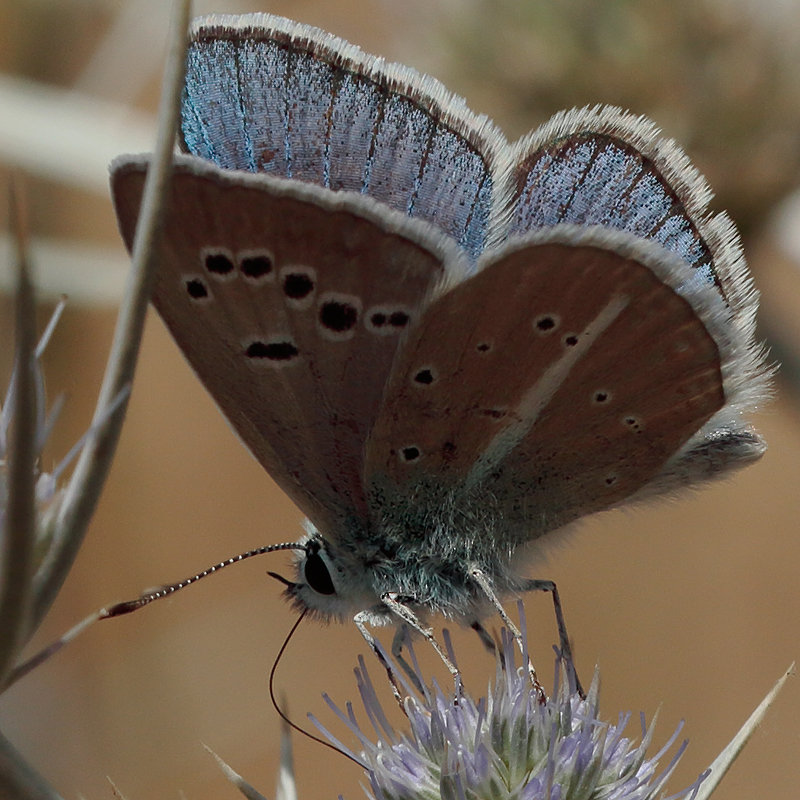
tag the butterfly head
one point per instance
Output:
(329, 585)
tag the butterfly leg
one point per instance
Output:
(393, 601)
(401, 635)
(482, 581)
(484, 636)
(563, 637)
(360, 622)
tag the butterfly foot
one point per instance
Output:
(486, 638)
(483, 581)
(397, 606)
(565, 649)
(360, 623)
(401, 635)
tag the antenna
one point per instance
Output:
(118, 609)
(126, 607)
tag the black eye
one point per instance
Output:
(317, 575)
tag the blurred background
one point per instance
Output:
(691, 607)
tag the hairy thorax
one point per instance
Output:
(427, 568)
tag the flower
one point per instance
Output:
(512, 744)
(515, 743)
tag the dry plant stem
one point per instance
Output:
(21, 670)
(722, 763)
(18, 780)
(90, 473)
(286, 786)
(250, 792)
(20, 528)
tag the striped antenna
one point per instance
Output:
(126, 607)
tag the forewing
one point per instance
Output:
(557, 381)
(266, 94)
(289, 303)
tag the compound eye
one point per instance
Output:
(317, 575)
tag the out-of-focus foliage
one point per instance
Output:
(722, 81)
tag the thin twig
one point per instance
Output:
(90, 473)
(46, 653)
(20, 524)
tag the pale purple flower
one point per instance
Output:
(512, 744)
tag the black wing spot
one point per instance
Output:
(297, 285)
(219, 263)
(256, 266)
(410, 454)
(386, 320)
(546, 323)
(338, 316)
(196, 289)
(424, 377)
(399, 319)
(272, 351)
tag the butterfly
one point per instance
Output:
(444, 348)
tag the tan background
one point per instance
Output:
(690, 606)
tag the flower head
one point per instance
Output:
(513, 743)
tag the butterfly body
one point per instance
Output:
(409, 564)
(444, 348)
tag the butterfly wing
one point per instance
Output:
(289, 302)
(266, 94)
(583, 358)
(601, 166)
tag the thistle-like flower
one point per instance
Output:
(511, 744)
